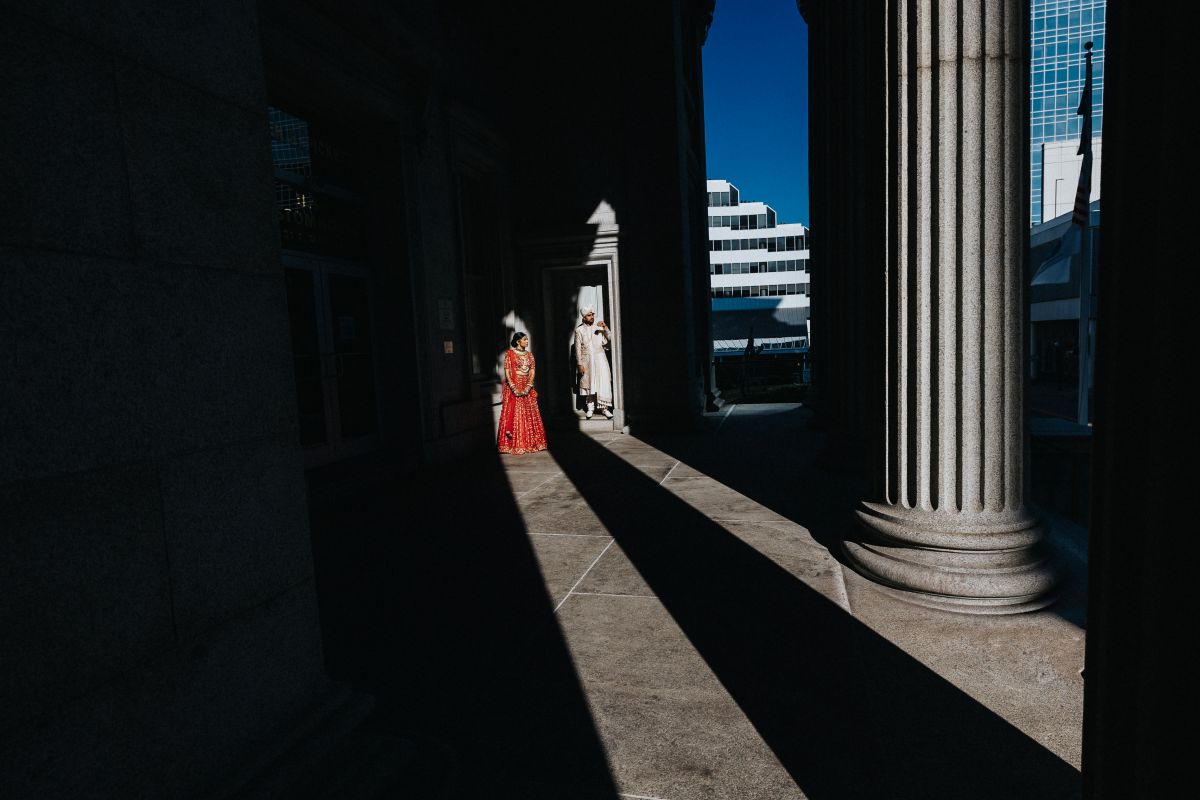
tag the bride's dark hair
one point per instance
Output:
(518, 336)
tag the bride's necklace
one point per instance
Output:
(522, 361)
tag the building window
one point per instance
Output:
(318, 188)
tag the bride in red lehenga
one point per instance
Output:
(521, 429)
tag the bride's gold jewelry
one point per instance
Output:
(523, 367)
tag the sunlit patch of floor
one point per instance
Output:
(670, 727)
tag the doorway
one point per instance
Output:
(566, 291)
(333, 353)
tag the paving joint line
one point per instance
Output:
(612, 594)
(540, 485)
(584, 535)
(584, 575)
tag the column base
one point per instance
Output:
(968, 563)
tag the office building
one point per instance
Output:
(759, 272)
(1059, 29)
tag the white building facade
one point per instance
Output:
(1058, 31)
(758, 269)
(1061, 163)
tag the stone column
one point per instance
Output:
(1140, 571)
(952, 529)
(847, 151)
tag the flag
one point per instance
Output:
(1083, 193)
(1056, 267)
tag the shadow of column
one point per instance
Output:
(848, 714)
(432, 599)
(771, 454)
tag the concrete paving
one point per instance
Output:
(669, 725)
(693, 635)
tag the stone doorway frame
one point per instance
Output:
(553, 256)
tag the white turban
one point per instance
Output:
(583, 312)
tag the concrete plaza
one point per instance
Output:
(666, 618)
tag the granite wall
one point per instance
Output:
(604, 106)
(159, 622)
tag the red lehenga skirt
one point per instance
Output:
(521, 429)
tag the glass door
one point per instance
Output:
(329, 309)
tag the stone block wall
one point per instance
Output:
(610, 124)
(159, 621)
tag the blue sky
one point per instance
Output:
(756, 103)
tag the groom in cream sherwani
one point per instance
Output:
(595, 376)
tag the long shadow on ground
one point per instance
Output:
(431, 599)
(767, 452)
(848, 714)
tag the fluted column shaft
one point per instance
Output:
(952, 528)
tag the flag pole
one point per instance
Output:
(1085, 314)
(1083, 217)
